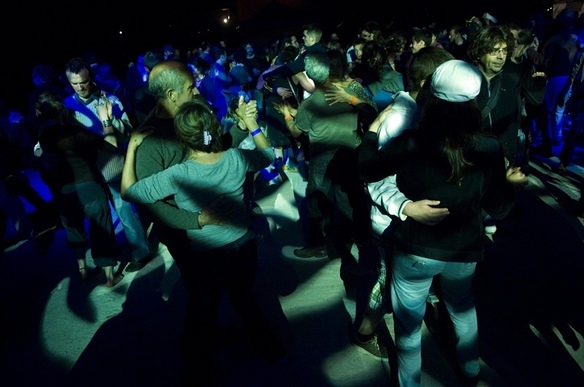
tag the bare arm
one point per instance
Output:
(104, 110)
(306, 83)
(425, 211)
(248, 112)
(288, 112)
(129, 172)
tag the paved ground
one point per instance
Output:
(57, 330)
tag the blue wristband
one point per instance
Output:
(256, 132)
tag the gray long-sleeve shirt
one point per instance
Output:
(195, 186)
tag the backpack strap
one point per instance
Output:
(493, 99)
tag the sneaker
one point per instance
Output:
(371, 347)
(310, 252)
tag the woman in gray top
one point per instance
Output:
(211, 181)
(209, 174)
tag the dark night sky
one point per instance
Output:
(51, 32)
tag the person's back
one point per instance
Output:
(226, 253)
(79, 186)
(334, 133)
(448, 160)
(70, 152)
(195, 185)
(389, 203)
(425, 152)
(380, 80)
(464, 223)
(335, 126)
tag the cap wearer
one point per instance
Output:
(456, 81)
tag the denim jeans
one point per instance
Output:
(133, 228)
(550, 124)
(412, 277)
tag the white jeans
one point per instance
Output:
(411, 280)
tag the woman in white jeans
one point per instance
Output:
(448, 160)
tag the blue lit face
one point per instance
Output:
(81, 83)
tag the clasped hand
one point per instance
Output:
(515, 176)
(247, 112)
(337, 95)
(139, 134)
(104, 107)
(217, 212)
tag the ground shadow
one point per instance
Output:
(531, 278)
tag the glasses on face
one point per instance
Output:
(497, 51)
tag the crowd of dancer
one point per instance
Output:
(412, 142)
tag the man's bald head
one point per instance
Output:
(166, 76)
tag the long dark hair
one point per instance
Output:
(456, 125)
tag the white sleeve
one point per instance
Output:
(388, 197)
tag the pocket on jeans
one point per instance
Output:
(409, 261)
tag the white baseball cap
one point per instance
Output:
(456, 81)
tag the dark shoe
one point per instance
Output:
(271, 349)
(310, 252)
(134, 266)
(371, 347)
(139, 264)
(469, 381)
